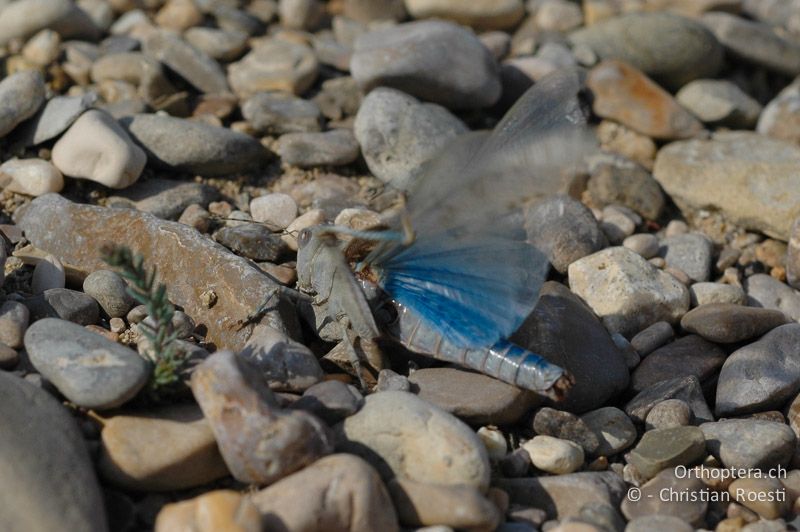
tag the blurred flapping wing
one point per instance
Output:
(470, 271)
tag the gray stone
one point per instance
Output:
(250, 22)
(166, 198)
(781, 116)
(216, 43)
(691, 253)
(645, 244)
(331, 401)
(711, 293)
(21, 96)
(279, 112)
(614, 429)
(651, 338)
(567, 426)
(690, 355)
(718, 102)
(9, 357)
(750, 443)
(195, 147)
(669, 414)
(110, 291)
(749, 178)
(339, 98)
(397, 134)
(433, 60)
(658, 523)
(666, 448)
(368, 10)
(66, 304)
(193, 65)
(390, 381)
(53, 119)
(564, 229)
(274, 64)
(551, 330)
(259, 442)
(626, 291)
(755, 42)
(691, 507)
(402, 435)
(90, 370)
(14, 318)
(23, 18)
(253, 241)
(623, 182)
(286, 365)
(475, 398)
(331, 148)
(768, 292)
(672, 49)
(726, 323)
(685, 388)
(141, 70)
(793, 256)
(775, 359)
(563, 496)
(480, 15)
(42, 443)
(617, 224)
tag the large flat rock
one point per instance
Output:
(751, 179)
(187, 262)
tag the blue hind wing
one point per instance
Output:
(474, 291)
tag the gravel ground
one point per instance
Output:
(207, 135)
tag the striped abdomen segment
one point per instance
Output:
(504, 360)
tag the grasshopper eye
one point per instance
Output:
(304, 237)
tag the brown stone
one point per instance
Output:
(627, 95)
(168, 449)
(216, 511)
(690, 355)
(419, 504)
(473, 397)
(667, 494)
(765, 496)
(259, 442)
(187, 262)
(338, 493)
(563, 496)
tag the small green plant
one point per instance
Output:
(169, 361)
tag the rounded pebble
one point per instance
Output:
(97, 148)
(88, 369)
(33, 177)
(554, 455)
(110, 291)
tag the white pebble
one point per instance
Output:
(43, 48)
(117, 325)
(359, 219)
(554, 455)
(494, 441)
(96, 147)
(33, 177)
(304, 221)
(276, 210)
